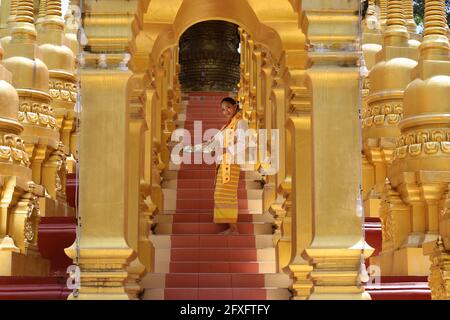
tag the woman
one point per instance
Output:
(228, 169)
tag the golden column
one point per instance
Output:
(300, 157)
(423, 153)
(101, 250)
(383, 106)
(337, 247)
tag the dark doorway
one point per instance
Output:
(209, 57)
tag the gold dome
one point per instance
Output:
(428, 96)
(56, 57)
(381, 75)
(33, 73)
(9, 107)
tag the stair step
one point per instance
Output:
(218, 267)
(212, 241)
(216, 294)
(215, 280)
(215, 255)
(208, 217)
(211, 228)
(400, 291)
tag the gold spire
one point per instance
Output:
(383, 11)
(395, 15)
(396, 32)
(54, 8)
(435, 19)
(435, 45)
(42, 10)
(12, 12)
(53, 15)
(24, 21)
(408, 9)
(25, 11)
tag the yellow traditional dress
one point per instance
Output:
(228, 172)
(228, 169)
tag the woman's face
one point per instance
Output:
(228, 109)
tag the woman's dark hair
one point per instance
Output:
(230, 100)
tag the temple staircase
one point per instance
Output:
(191, 260)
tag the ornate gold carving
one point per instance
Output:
(12, 150)
(423, 142)
(392, 213)
(63, 90)
(35, 113)
(439, 278)
(382, 114)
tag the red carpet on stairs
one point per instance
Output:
(202, 264)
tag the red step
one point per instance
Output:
(205, 217)
(205, 204)
(214, 267)
(213, 241)
(56, 234)
(33, 288)
(205, 193)
(215, 294)
(214, 280)
(213, 254)
(208, 228)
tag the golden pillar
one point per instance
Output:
(423, 153)
(337, 247)
(101, 250)
(137, 126)
(300, 136)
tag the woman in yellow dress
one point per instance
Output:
(231, 135)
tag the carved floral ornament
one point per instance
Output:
(65, 91)
(12, 150)
(423, 141)
(382, 114)
(40, 114)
